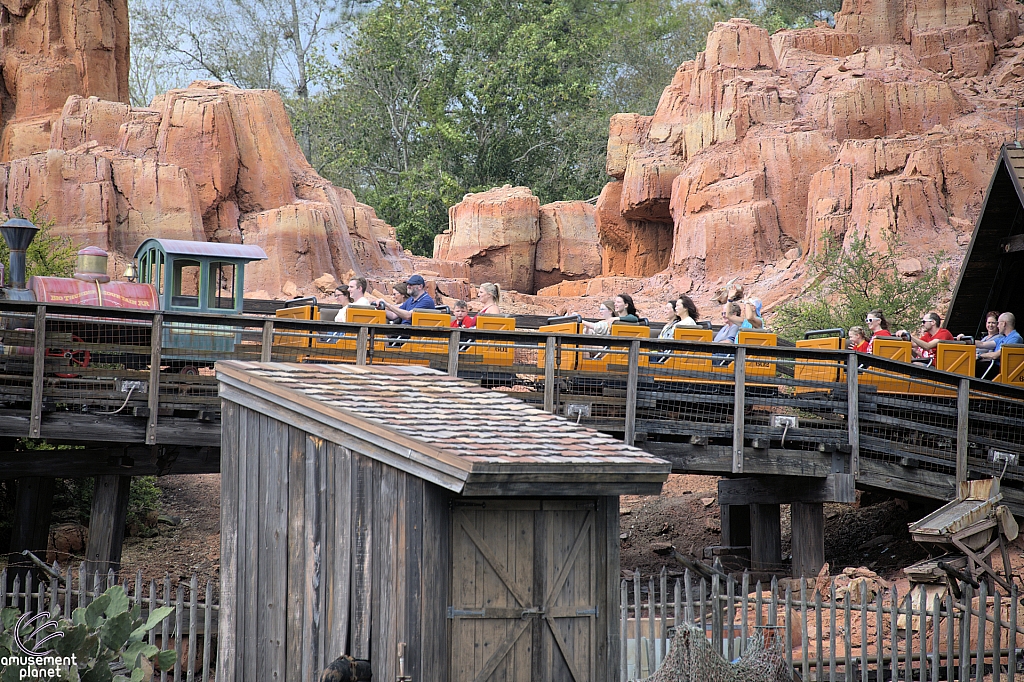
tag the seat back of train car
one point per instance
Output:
(828, 371)
(568, 359)
(758, 365)
(494, 352)
(893, 349)
(957, 357)
(685, 360)
(296, 339)
(620, 359)
(1011, 364)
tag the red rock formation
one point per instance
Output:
(209, 161)
(51, 49)
(568, 248)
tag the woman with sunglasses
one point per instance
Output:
(877, 325)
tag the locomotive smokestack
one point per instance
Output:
(18, 233)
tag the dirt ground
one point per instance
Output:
(872, 533)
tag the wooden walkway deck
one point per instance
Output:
(134, 402)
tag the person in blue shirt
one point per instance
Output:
(418, 298)
(1007, 327)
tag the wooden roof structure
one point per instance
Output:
(990, 278)
(457, 435)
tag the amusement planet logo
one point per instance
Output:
(33, 663)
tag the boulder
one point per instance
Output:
(568, 247)
(497, 233)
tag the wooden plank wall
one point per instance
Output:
(326, 552)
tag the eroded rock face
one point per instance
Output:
(568, 248)
(51, 49)
(497, 233)
(207, 162)
(888, 124)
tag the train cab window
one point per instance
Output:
(151, 269)
(222, 286)
(185, 284)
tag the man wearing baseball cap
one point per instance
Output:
(418, 298)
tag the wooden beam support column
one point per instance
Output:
(765, 537)
(106, 523)
(38, 365)
(738, 409)
(550, 348)
(735, 525)
(362, 346)
(267, 349)
(963, 405)
(632, 378)
(31, 528)
(453, 353)
(156, 348)
(808, 523)
(853, 413)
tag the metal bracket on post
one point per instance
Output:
(738, 408)
(853, 413)
(156, 348)
(267, 350)
(632, 377)
(362, 345)
(963, 408)
(550, 343)
(453, 354)
(38, 367)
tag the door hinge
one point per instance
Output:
(455, 613)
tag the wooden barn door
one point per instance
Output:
(524, 593)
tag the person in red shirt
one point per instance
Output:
(932, 333)
(858, 339)
(877, 325)
(462, 317)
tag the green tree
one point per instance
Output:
(852, 279)
(48, 254)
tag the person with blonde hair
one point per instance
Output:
(489, 294)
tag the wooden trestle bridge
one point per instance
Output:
(820, 422)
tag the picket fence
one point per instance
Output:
(914, 637)
(194, 618)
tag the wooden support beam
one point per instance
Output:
(267, 349)
(156, 347)
(632, 378)
(362, 346)
(117, 460)
(853, 413)
(106, 523)
(739, 397)
(735, 525)
(765, 537)
(550, 348)
(687, 458)
(963, 405)
(808, 523)
(453, 354)
(787, 489)
(31, 528)
(38, 365)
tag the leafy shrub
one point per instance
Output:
(103, 633)
(852, 279)
(49, 254)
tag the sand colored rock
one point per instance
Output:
(635, 247)
(52, 49)
(497, 233)
(568, 248)
(296, 235)
(824, 41)
(625, 134)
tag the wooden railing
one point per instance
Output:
(90, 376)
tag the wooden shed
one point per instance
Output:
(367, 507)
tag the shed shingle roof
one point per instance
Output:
(478, 431)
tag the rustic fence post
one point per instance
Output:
(362, 345)
(739, 380)
(453, 353)
(267, 346)
(853, 413)
(632, 377)
(38, 367)
(963, 404)
(550, 343)
(156, 349)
